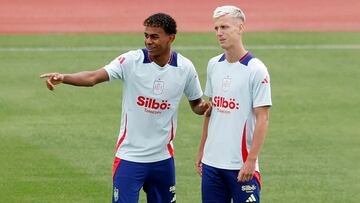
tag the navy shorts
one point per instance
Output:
(157, 180)
(221, 186)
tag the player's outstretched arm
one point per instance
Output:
(85, 78)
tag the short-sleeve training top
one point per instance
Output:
(236, 89)
(151, 97)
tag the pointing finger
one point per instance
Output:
(45, 75)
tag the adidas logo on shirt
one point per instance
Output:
(266, 80)
(251, 198)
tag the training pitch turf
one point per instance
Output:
(59, 146)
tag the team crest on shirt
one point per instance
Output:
(226, 84)
(158, 87)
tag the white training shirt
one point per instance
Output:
(236, 89)
(151, 97)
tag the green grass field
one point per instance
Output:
(59, 146)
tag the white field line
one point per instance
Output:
(180, 48)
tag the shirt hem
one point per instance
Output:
(226, 167)
(195, 97)
(262, 104)
(146, 160)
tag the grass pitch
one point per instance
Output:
(59, 146)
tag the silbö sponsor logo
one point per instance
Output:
(152, 105)
(224, 105)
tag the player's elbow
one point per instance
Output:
(263, 118)
(93, 80)
(96, 77)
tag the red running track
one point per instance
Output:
(43, 16)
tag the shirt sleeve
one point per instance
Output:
(116, 69)
(193, 89)
(261, 91)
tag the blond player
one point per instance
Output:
(238, 85)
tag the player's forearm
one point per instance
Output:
(79, 79)
(204, 134)
(85, 78)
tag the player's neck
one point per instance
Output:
(235, 53)
(162, 60)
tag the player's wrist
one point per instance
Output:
(251, 159)
(63, 78)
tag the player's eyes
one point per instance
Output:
(222, 27)
(152, 37)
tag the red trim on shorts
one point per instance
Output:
(257, 177)
(171, 150)
(243, 145)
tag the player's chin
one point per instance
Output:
(154, 53)
(223, 45)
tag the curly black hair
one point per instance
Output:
(166, 22)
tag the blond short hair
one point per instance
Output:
(232, 11)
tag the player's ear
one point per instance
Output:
(172, 38)
(241, 28)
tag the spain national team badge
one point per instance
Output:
(116, 194)
(158, 86)
(226, 84)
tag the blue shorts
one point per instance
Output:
(221, 186)
(157, 180)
